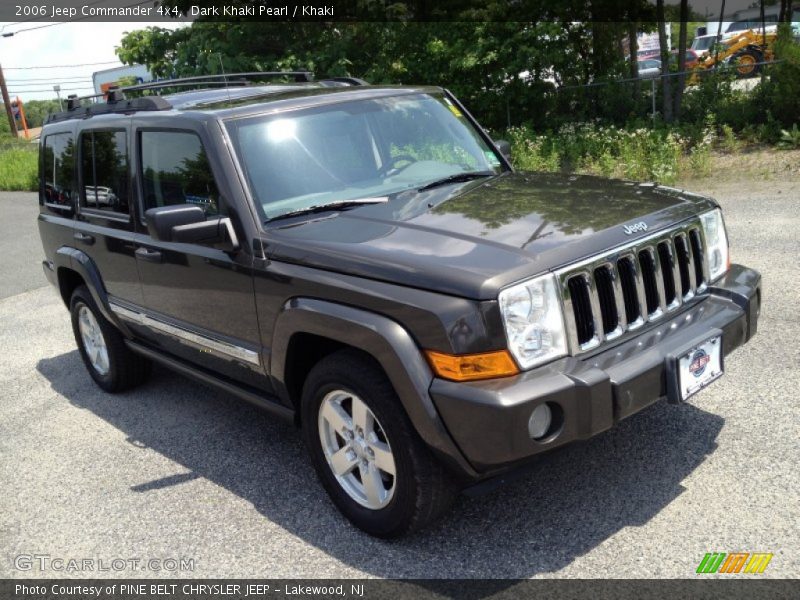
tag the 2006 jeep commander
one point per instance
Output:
(364, 260)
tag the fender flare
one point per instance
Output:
(80, 262)
(387, 342)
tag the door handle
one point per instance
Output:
(148, 255)
(84, 237)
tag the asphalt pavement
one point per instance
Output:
(174, 470)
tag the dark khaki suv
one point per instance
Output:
(364, 261)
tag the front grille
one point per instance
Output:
(615, 293)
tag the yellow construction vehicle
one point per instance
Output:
(745, 50)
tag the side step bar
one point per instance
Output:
(261, 401)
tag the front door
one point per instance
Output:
(198, 301)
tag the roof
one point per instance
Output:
(272, 98)
(233, 98)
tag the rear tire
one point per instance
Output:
(341, 393)
(110, 363)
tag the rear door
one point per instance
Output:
(104, 227)
(199, 300)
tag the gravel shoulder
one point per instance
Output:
(176, 470)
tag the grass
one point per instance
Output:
(19, 167)
(639, 153)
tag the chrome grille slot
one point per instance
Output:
(647, 262)
(582, 307)
(685, 265)
(611, 295)
(670, 273)
(604, 280)
(698, 253)
(627, 275)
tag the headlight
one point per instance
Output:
(716, 243)
(533, 320)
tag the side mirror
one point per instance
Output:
(505, 149)
(187, 223)
(162, 219)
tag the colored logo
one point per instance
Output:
(735, 562)
(699, 361)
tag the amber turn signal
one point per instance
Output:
(470, 367)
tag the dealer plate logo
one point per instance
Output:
(699, 361)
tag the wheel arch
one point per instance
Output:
(331, 326)
(74, 268)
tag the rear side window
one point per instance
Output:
(175, 170)
(104, 171)
(58, 170)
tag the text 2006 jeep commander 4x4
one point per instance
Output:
(364, 260)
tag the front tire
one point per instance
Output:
(109, 361)
(368, 456)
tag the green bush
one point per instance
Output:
(633, 153)
(784, 82)
(790, 139)
(18, 168)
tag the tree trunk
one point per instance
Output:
(633, 51)
(681, 79)
(666, 86)
(785, 15)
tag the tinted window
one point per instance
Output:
(58, 158)
(104, 169)
(175, 170)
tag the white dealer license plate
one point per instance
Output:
(700, 366)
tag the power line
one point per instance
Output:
(108, 62)
(50, 82)
(55, 79)
(63, 89)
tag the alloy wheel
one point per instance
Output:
(356, 449)
(94, 344)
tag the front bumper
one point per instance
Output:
(489, 419)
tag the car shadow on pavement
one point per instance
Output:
(571, 500)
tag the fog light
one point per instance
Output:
(539, 423)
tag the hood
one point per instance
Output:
(473, 239)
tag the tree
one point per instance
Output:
(666, 86)
(681, 82)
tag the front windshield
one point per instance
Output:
(354, 150)
(702, 43)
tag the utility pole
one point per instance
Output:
(57, 90)
(7, 103)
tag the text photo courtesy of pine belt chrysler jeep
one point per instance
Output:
(364, 261)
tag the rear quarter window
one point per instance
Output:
(57, 192)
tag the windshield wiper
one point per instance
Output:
(458, 177)
(341, 204)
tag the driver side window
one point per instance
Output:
(175, 170)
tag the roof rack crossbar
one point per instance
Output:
(345, 80)
(299, 76)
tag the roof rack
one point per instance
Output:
(117, 103)
(220, 79)
(343, 81)
(75, 110)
